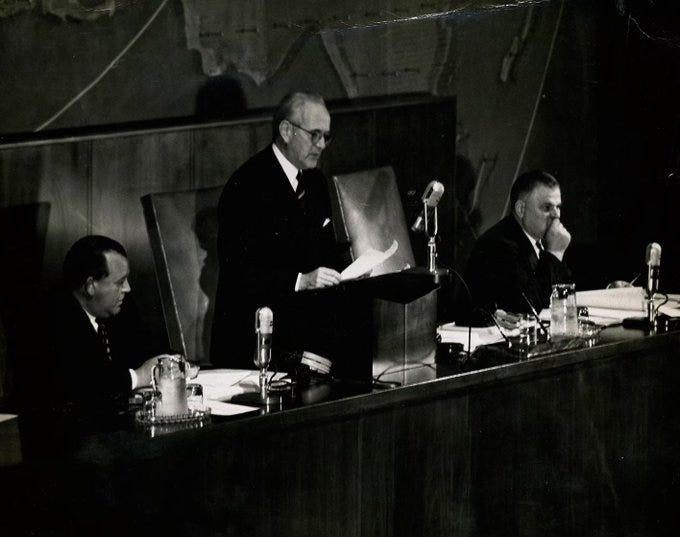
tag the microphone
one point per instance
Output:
(653, 261)
(264, 326)
(433, 193)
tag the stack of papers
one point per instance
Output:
(451, 333)
(611, 306)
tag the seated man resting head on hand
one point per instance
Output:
(514, 264)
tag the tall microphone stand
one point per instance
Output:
(431, 230)
(652, 288)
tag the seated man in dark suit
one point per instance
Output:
(276, 238)
(84, 349)
(523, 253)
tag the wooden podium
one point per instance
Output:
(388, 323)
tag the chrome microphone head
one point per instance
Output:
(264, 326)
(653, 254)
(433, 193)
(430, 199)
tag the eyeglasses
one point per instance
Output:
(315, 135)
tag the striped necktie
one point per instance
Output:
(300, 190)
(104, 336)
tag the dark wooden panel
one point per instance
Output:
(218, 152)
(58, 175)
(579, 443)
(124, 169)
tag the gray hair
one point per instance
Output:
(290, 105)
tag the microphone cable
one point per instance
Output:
(470, 304)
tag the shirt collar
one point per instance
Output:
(289, 168)
(533, 243)
(92, 319)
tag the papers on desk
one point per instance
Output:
(220, 385)
(220, 408)
(450, 333)
(611, 306)
(367, 261)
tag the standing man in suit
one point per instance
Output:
(523, 253)
(276, 237)
(85, 350)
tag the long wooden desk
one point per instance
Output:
(585, 442)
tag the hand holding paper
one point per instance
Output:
(367, 261)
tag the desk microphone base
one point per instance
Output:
(662, 323)
(272, 401)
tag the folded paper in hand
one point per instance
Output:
(367, 261)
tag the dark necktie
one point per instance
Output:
(104, 336)
(300, 190)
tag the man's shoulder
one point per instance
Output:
(505, 230)
(253, 173)
(262, 160)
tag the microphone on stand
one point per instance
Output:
(653, 260)
(430, 199)
(264, 326)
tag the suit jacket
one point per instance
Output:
(503, 264)
(63, 365)
(266, 236)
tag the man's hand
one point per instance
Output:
(507, 320)
(321, 277)
(144, 372)
(556, 239)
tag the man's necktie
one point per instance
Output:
(300, 190)
(539, 245)
(104, 336)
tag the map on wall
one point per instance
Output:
(384, 46)
(63, 9)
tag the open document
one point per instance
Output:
(366, 262)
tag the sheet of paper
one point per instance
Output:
(220, 408)
(5, 417)
(223, 384)
(367, 261)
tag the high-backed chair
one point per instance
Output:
(23, 229)
(368, 213)
(182, 228)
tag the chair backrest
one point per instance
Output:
(182, 228)
(23, 229)
(368, 213)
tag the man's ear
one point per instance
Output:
(519, 208)
(285, 130)
(90, 286)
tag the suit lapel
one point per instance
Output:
(527, 249)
